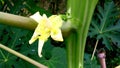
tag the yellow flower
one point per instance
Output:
(46, 27)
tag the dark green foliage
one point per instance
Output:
(113, 58)
(90, 64)
(32, 7)
(16, 39)
(57, 58)
(105, 25)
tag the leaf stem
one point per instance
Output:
(2, 54)
(94, 49)
(13, 43)
(17, 21)
(23, 57)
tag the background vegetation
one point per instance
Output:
(104, 28)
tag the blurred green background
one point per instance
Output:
(105, 26)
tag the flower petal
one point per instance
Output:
(36, 34)
(57, 35)
(40, 46)
(37, 17)
(32, 39)
(56, 21)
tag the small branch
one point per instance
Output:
(23, 57)
(17, 21)
(94, 49)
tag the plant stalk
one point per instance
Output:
(17, 21)
(80, 20)
(23, 57)
(94, 49)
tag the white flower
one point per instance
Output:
(46, 27)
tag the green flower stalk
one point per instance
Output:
(46, 27)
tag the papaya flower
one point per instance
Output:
(46, 27)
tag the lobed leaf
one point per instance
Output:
(106, 25)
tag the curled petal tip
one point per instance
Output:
(40, 55)
(61, 40)
(30, 42)
(40, 46)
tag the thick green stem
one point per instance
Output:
(71, 41)
(23, 57)
(80, 19)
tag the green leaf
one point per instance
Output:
(115, 38)
(57, 59)
(107, 42)
(106, 25)
(90, 64)
(23, 64)
(16, 39)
